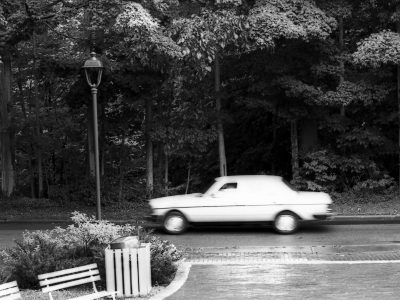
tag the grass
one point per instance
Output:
(43, 209)
(366, 203)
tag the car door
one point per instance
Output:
(263, 200)
(220, 205)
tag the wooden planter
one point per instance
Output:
(128, 271)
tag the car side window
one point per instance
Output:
(229, 186)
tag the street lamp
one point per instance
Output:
(93, 71)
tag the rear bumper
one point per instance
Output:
(322, 217)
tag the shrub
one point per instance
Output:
(37, 253)
(326, 171)
(163, 256)
(375, 185)
(81, 243)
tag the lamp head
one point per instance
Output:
(93, 70)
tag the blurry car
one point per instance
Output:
(237, 199)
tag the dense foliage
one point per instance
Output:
(308, 91)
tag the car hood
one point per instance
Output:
(314, 198)
(175, 201)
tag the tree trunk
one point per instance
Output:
(149, 148)
(37, 121)
(274, 138)
(220, 129)
(308, 135)
(166, 179)
(341, 46)
(160, 162)
(121, 166)
(295, 149)
(398, 97)
(30, 146)
(398, 104)
(188, 178)
(7, 168)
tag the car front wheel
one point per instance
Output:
(175, 223)
(286, 223)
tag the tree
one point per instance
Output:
(271, 21)
(145, 44)
(383, 48)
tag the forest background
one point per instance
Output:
(308, 90)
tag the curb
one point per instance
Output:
(364, 219)
(180, 278)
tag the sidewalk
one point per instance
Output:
(285, 281)
(323, 272)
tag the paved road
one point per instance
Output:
(251, 236)
(11, 231)
(310, 235)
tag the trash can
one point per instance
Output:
(128, 270)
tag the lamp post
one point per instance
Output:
(93, 71)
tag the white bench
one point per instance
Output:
(9, 291)
(73, 277)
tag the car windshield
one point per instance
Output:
(289, 185)
(208, 187)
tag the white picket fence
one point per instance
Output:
(128, 271)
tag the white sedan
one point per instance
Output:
(237, 199)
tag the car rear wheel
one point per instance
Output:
(286, 223)
(175, 223)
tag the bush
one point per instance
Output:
(326, 171)
(38, 253)
(163, 256)
(81, 243)
(375, 185)
(353, 197)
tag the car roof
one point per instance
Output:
(249, 178)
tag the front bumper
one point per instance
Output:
(154, 219)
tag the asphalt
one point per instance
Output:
(334, 220)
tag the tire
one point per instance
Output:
(286, 223)
(175, 223)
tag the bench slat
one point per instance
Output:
(67, 271)
(12, 297)
(70, 283)
(46, 282)
(8, 285)
(94, 296)
(9, 291)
